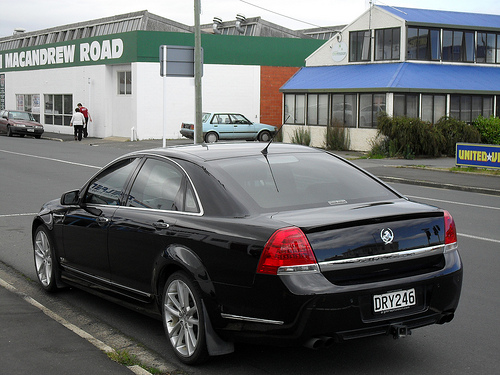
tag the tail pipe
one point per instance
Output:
(319, 342)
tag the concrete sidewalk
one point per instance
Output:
(31, 342)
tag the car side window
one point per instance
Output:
(159, 185)
(108, 186)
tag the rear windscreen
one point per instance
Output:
(301, 180)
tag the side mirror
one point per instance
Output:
(70, 198)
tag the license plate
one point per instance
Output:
(31, 130)
(392, 301)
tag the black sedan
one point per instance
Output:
(284, 245)
(20, 123)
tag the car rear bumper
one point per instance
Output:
(348, 312)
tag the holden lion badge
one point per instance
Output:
(387, 235)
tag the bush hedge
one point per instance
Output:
(408, 137)
(489, 129)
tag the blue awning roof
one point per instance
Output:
(396, 77)
(442, 17)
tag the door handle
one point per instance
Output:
(160, 224)
(102, 220)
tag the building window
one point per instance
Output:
(387, 44)
(344, 110)
(317, 109)
(29, 103)
(458, 45)
(406, 105)
(58, 109)
(370, 106)
(469, 107)
(295, 108)
(359, 46)
(487, 48)
(433, 107)
(125, 83)
(423, 44)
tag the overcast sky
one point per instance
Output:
(33, 15)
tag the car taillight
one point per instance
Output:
(450, 230)
(287, 250)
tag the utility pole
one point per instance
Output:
(198, 127)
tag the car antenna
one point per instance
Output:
(264, 150)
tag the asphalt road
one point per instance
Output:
(34, 171)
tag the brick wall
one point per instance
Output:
(271, 100)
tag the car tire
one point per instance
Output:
(45, 262)
(183, 319)
(211, 137)
(9, 131)
(264, 136)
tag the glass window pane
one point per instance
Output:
(481, 47)
(412, 43)
(439, 107)
(487, 106)
(423, 36)
(58, 104)
(365, 110)
(457, 45)
(399, 105)
(323, 109)
(447, 45)
(455, 106)
(312, 109)
(338, 108)
(300, 101)
(129, 83)
(469, 47)
(491, 48)
(465, 108)
(477, 107)
(436, 45)
(378, 107)
(427, 108)
(396, 37)
(387, 44)
(379, 44)
(350, 110)
(68, 105)
(412, 106)
(289, 108)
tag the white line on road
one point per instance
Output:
(52, 159)
(15, 215)
(479, 238)
(459, 203)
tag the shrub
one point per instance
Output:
(454, 131)
(302, 136)
(337, 137)
(489, 128)
(408, 137)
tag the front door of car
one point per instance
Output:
(142, 230)
(85, 226)
(222, 122)
(242, 127)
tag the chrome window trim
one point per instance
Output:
(382, 258)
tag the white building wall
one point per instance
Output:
(225, 87)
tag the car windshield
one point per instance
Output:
(303, 180)
(21, 116)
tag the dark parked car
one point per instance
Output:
(232, 242)
(19, 122)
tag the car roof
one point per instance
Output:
(213, 151)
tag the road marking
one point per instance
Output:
(51, 159)
(479, 238)
(15, 215)
(459, 203)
